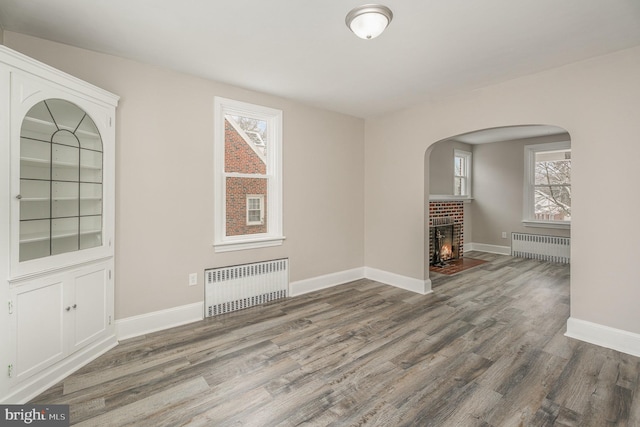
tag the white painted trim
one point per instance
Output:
(32, 387)
(604, 336)
(249, 244)
(35, 67)
(273, 117)
(305, 286)
(403, 282)
(147, 323)
(449, 198)
(562, 225)
(483, 247)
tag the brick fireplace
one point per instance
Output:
(446, 230)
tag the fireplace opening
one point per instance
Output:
(446, 236)
(443, 246)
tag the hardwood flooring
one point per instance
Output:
(485, 349)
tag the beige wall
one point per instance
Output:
(441, 166)
(164, 182)
(498, 183)
(597, 102)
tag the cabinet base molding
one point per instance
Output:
(147, 323)
(31, 387)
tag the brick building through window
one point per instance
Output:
(244, 155)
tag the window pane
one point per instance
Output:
(254, 215)
(254, 203)
(237, 190)
(552, 203)
(460, 168)
(553, 167)
(460, 186)
(35, 159)
(90, 166)
(65, 163)
(66, 115)
(34, 239)
(90, 231)
(64, 235)
(245, 141)
(65, 199)
(90, 199)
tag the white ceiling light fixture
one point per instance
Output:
(369, 21)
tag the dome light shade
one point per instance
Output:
(369, 21)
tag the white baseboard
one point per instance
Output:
(135, 326)
(305, 286)
(32, 387)
(403, 282)
(329, 280)
(483, 247)
(142, 324)
(604, 336)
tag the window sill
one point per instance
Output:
(565, 225)
(239, 245)
(449, 198)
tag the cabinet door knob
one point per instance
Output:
(74, 306)
(19, 196)
(68, 308)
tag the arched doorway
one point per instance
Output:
(481, 194)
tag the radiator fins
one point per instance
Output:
(543, 248)
(238, 287)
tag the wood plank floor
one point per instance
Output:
(485, 349)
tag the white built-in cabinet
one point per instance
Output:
(57, 154)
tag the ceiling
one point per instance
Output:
(303, 50)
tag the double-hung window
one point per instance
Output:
(247, 176)
(547, 192)
(255, 209)
(461, 173)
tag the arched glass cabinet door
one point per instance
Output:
(61, 172)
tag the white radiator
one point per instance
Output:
(545, 248)
(241, 286)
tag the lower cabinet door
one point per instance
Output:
(53, 317)
(40, 323)
(89, 306)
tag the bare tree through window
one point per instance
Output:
(552, 186)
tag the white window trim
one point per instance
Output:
(260, 198)
(529, 176)
(274, 236)
(468, 157)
